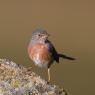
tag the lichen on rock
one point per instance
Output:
(18, 80)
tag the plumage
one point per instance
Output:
(40, 54)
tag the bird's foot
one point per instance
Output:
(48, 82)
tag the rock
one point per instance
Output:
(18, 80)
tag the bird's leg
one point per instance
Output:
(48, 74)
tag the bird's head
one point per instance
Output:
(40, 35)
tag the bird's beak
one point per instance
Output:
(48, 35)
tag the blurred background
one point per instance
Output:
(71, 24)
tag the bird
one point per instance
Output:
(42, 52)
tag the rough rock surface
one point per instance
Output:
(18, 80)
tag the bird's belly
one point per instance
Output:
(40, 56)
(39, 61)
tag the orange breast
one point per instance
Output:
(41, 51)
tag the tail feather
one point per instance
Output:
(66, 57)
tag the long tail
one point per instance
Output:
(66, 57)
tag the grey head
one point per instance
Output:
(40, 35)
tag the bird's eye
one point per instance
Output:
(39, 35)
